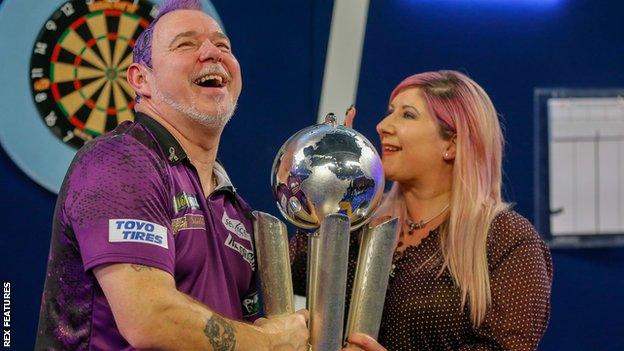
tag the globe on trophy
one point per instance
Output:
(327, 178)
(325, 169)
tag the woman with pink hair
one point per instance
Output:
(469, 273)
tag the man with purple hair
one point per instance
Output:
(151, 245)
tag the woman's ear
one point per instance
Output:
(137, 76)
(449, 152)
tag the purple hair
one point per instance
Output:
(142, 51)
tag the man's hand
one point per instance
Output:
(286, 333)
(362, 342)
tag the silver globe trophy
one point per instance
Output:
(327, 178)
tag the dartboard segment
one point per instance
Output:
(128, 25)
(124, 112)
(65, 72)
(78, 78)
(98, 28)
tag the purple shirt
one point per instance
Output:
(132, 196)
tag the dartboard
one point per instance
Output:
(78, 66)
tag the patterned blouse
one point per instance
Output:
(422, 310)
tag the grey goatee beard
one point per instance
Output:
(225, 110)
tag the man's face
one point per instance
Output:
(193, 68)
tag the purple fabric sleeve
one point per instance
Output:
(117, 205)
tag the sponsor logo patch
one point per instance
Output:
(137, 231)
(188, 221)
(246, 253)
(251, 305)
(183, 201)
(235, 226)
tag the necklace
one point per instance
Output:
(412, 225)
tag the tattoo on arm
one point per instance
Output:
(139, 267)
(220, 333)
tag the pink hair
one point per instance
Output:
(463, 109)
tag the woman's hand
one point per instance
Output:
(362, 342)
(349, 116)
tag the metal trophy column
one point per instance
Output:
(328, 281)
(271, 241)
(371, 278)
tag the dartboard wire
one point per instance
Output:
(123, 106)
(72, 42)
(128, 25)
(96, 122)
(71, 102)
(99, 30)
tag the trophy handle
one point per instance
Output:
(371, 278)
(271, 240)
(327, 282)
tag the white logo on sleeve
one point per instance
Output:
(137, 231)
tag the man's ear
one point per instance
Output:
(451, 148)
(137, 76)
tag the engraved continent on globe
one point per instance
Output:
(327, 169)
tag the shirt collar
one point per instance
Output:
(169, 145)
(223, 180)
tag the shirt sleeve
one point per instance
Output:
(520, 280)
(116, 205)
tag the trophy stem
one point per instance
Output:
(371, 278)
(328, 282)
(271, 240)
(313, 260)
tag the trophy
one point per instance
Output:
(327, 178)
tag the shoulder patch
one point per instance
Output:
(137, 231)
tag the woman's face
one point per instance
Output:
(412, 147)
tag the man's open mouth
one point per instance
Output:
(211, 81)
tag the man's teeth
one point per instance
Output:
(214, 77)
(391, 148)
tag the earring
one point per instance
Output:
(446, 155)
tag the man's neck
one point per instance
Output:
(200, 143)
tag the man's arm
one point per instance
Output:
(151, 313)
